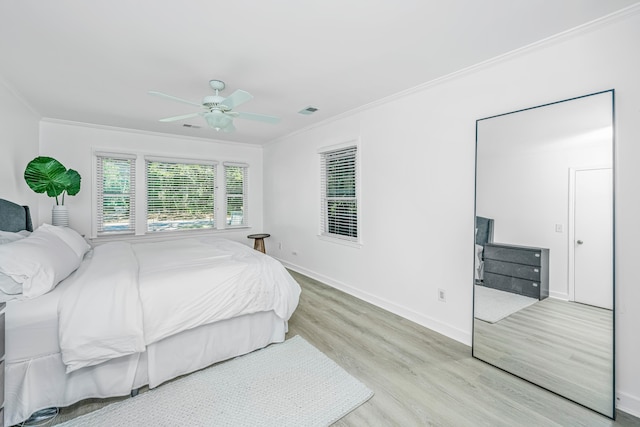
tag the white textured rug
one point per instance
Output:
(492, 305)
(288, 384)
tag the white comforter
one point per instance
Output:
(126, 296)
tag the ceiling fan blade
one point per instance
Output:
(236, 98)
(176, 118)
(257, 117)
(174, 98)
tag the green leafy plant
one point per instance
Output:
(47, 175)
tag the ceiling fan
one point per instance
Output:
(218, 110)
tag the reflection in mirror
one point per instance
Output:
(543, 294)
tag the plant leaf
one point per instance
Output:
(74, 182)
(46, 174)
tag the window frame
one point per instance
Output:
(245, 194)
(323, 220)
(139, 197)
(98, 201)
(180, 161)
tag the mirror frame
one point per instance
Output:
(614, 168)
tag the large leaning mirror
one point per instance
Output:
(544, 282)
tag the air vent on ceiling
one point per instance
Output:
(187, 125)
(308, 110)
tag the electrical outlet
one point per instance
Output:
(442, 295)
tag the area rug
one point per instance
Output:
(492, 305)
(287, 384)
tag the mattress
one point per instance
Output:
(32, 326)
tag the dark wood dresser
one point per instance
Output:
(521, 270)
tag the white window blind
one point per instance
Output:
(180, 195)
(115, 190)
(236, 193)
(339, 200)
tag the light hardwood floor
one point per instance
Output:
(420, 378)
(564, 346)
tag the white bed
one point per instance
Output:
(53, 360)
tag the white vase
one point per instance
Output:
(60, 216)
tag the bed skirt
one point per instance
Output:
(34, 384)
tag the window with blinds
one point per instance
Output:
(115, 190)
(180, 194)
(339, 200)
(236, 194)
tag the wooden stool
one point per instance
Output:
(258, 243)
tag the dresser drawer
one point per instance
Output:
(522, 271)
(513, 254)
(529, 288)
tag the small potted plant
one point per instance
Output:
(47, 175)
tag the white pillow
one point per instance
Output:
(8, 237)
(38, 262)
(70, 237)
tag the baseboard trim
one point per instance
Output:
(628, 403)
(426, 321)
(559, 295)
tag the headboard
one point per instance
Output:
(14, 217)
(484, 230)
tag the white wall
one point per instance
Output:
(19, 145)
(417, 155)
(73, 145)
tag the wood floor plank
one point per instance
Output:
(566, 347)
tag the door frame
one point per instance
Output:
(571, 224)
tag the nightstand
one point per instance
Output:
(258, 243)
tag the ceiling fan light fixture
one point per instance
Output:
(217, 120)
(218, 110)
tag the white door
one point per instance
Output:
(593, 237)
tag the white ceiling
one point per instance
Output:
(94, 62)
